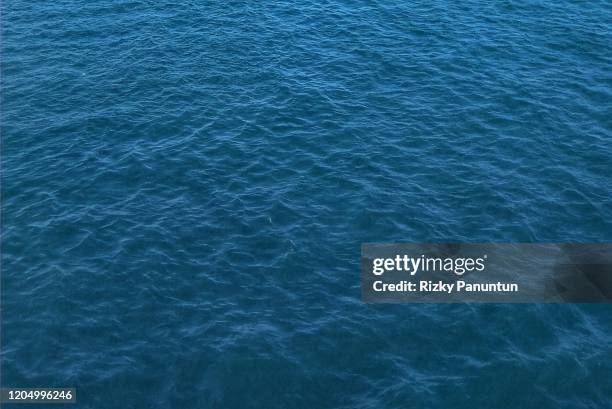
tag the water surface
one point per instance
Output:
(186, 187)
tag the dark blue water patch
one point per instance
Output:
(186, 188)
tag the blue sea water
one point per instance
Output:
(186, 185)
